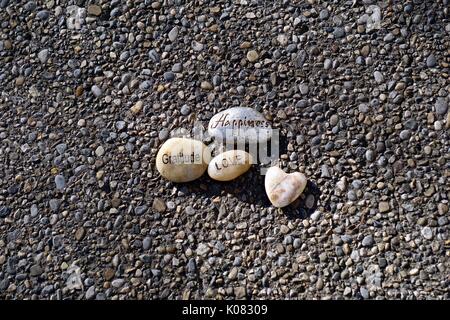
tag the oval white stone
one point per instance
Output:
(182, 159)
(240, 124)
(229, 165)
(283, 188)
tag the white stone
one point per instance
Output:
(182, 159)
(283, 188)
(240, 124)
(173, 34)
(229, 165)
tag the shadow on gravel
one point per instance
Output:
(249, 188)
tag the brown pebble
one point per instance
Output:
(108, 274)
(365, 51)
(19, 81)
(94, 10)
(79, 91)
(159, 205)
(252, 56)
(79, 234)
(205, 85)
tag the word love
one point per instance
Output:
(229, 165)
(182, 159)
(240, 124)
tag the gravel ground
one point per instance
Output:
(90, 91)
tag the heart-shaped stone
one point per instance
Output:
(283, 188)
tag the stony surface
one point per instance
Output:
(307, 66)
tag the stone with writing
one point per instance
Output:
(283, 188)
(182, 159)
(240, 124)
(229, 165)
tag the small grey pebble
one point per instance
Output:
(378, 77)
(43, 15)
(405, 134)
(185, 110)
(163, 135)
(60, 182)
(96, 91)
(441, 106)
(120, 125)
(427, 233)
(169, 76)
(368, 241)
(431, 61)
(54, 204)
(90, 293)
(177, 67)
(139, 210)
(43, 55)
(173, 34)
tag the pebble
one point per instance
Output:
(96, 91)
(140, 210)
(159, 205)
(324, 14)
(282, 40)
(169, 76)
(43, 56)
(242, 124)
(383, 206)
(60, 182)
(173, 34)
(339, 32)
(36, 270)
(182, 159)
(315, 216)
(370, 155)
(34, 210)
(252, 56)
(427, 233)
(229, 165)
(100, 151)
(94, 10)
(146, 243)
(431, 61)
(378, 77)
(405, 134)
(368, 241)
(54, 204)
(118, 283)
(177, 68)
(80, 233)
(282, 188)
(154, 55)
(197, 46)
(206, 85)
(441, 106)
(304, 88)
(90, 293)
(137, 107)
(185, 110)
(202, 249)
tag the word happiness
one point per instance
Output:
(223, 121)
